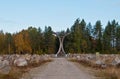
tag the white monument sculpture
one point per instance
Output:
(61, 50)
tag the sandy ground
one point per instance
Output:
(60, 68)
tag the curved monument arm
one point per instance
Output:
(61, 40)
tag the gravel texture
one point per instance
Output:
(60, 68)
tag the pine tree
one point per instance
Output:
(49, 41)
(98, 35)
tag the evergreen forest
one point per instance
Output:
(83, 38)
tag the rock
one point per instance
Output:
(20, 62)
(11, 59)
(116, 61)
(78, 57)
(1, 58)
(99, 62)
(6, 57)
(4, 67)
(89, 57)
(103, 65)
(35, 59)
(27, 57)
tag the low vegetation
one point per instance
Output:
(101, 73)
(108, 73)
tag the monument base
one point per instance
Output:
(60, 54)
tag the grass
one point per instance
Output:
(17, 72)
(83, 62)
(108, 73)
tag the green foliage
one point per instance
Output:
(49, 41)
(82, 38)
(98, 35)
(36, 39)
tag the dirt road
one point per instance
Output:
(60, 68)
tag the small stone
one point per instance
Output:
(98, 62)
(103, 65)
(78, 57)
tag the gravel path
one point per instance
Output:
(60, 68)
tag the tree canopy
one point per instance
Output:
(82, 38)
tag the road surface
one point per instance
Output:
(60, 68)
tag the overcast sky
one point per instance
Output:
(16, 15)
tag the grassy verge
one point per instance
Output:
(108, 73)
(17, 72)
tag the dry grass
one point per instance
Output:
(83, 62)
(107, 73)
(17, 72)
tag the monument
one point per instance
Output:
(61, 51)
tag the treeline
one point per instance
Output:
(82, 38)
(32, 41)
(88, 38)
